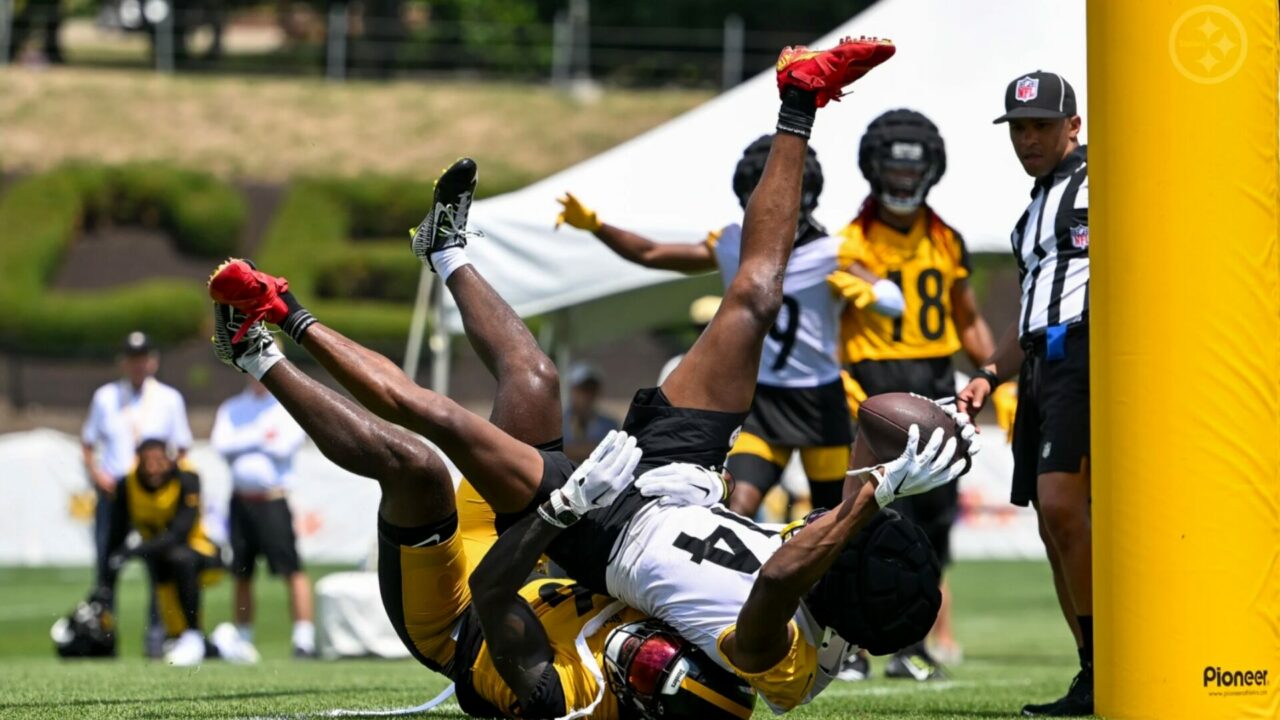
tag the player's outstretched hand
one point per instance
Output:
(575, 214)
(917, 471)
(598, 481)
(684, 484)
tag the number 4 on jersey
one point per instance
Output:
(722, 547)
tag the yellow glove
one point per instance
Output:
(576, 214)
(1005, 400)
(855, 290)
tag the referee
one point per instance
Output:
(1050, 342)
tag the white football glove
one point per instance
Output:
(596, 483)
(913, 473)
(968, 431)
(888, 299)
(684, 484)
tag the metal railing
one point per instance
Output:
(352, 44)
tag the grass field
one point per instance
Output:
(1016, 648)
(274, 129)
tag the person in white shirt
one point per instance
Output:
(122, 414)
(259, 439)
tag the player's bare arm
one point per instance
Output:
(1001, 365)
(975, 334)
(680, 257)
(763, 633)
(517, 640)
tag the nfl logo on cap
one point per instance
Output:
(1080, 236)
(1027, 89)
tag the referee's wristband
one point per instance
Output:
(992, 379)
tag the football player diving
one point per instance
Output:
(459, 597)
(764, 608)
(799, 402)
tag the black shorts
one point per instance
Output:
(262, 527)
(931, 377)
(801, 417)
(1051, 428)
(667, 435)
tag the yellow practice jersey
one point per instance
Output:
(152, 511)
(564, 608)
(925, 262)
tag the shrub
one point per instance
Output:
(39, 218)
(310, 236)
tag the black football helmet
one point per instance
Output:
(882, 591)
(902, 155)
(658, 674)
(90, 629)
(750, 169)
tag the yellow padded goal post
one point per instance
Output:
(1185, 315)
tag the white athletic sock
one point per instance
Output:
(448, 260)
(304, 636)
(246, 632)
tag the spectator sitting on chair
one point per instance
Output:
(122, 414)
(259, 439)
(162, 502)
(584, 425)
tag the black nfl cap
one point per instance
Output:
(137, 343)
(1038, 95)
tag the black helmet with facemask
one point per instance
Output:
(902, 155)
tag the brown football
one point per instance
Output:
(883, 422)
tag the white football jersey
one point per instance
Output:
(693, 567)
(800, 349)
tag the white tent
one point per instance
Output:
(673, 183)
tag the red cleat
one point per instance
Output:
(827, 72)
(256, 294)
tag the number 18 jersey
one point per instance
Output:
(925, 263)
(800, 350)
(693, 567)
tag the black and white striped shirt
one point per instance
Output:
(1051, 242)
